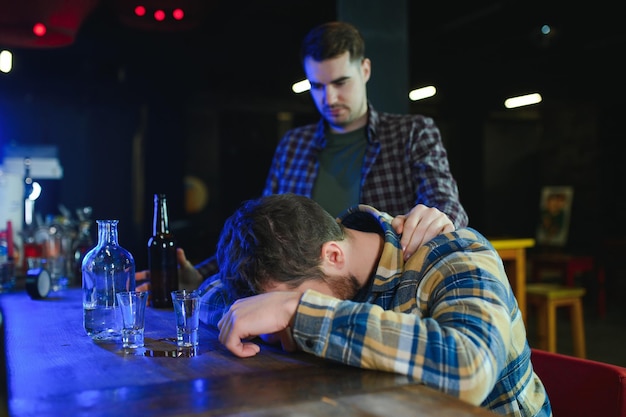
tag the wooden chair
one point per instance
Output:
(547, 298)
(580, 387)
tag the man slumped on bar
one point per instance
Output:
(340, 289)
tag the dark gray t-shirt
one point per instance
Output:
(338, 182)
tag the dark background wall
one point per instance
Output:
(135, 112)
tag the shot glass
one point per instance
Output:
(133, 308)
(187, 309)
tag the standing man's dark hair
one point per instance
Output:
(331, 40)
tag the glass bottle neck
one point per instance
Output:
(107, 232)
(160, 221)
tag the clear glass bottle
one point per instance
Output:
(107, 269)
(162, 261)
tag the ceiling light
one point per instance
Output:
(6, 61)
(159, 15)
(178, 14)
(422, 93)
(525, 100)
(39, 29)
(301, 86)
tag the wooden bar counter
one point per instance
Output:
(54, 369)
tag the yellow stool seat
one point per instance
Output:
(547, 298)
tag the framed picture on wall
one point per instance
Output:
(555, 211)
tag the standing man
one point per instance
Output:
(355, 154)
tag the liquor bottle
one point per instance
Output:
(107, 269)
(162, 262)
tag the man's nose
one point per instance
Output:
(330, 94)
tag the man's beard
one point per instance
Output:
(343, 287)
(343, 120)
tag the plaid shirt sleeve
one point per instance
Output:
(208, 267)
(214, 301)
(407, 164)
(448, 350)
(437, 187)
(452, 324)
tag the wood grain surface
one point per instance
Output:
(55, 369)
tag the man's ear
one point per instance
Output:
(366, 69)
(333, 256)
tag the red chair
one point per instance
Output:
(581, 387)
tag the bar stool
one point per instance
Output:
(568, 266)
(547, 298)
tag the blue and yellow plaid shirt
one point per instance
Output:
(447, 318)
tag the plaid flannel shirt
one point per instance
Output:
(447, 318)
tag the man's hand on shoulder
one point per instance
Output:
(420, 225)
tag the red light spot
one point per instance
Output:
(140, 11)
(178, 14)
(39, 29)
(159, 15)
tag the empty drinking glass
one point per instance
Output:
(133, 308)
(187, 309)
